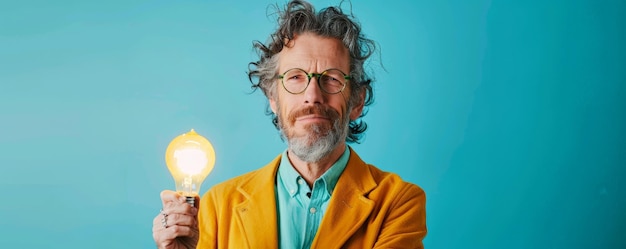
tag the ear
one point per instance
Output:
(358, 108)
(273, 104)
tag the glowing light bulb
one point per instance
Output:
(190, 158)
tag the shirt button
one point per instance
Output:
(300, 181)
(312, 210)
(292, 191)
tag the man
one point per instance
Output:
(318, 193)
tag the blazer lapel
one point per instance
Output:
(257, 215)
(349, 207)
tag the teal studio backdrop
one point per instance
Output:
(509, 114)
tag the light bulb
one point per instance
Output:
(190, 158)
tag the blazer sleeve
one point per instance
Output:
(405, 225)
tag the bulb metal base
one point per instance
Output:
(191, 200)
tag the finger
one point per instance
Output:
(156, 222)
(159, 223)
(180, 231)
(166, 236)
(173, 202)
(168, 196)
(179, 208)
(182, 220)
(162, 222)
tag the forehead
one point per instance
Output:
(316, 53)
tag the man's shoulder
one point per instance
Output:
(262, 174)
(385, 178)
(233, 183)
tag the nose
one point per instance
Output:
(313, 94)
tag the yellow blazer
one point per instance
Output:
(369, 208)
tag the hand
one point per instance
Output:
(180, 229)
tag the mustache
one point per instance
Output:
(320, 110)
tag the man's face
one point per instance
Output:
(314, 122)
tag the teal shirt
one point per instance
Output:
(299, 216)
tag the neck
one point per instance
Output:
(311, 171)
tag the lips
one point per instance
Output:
(306, 117)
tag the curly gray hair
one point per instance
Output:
(300, 17)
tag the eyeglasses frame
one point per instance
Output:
(317, 76)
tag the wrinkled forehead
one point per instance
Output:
(308, 49)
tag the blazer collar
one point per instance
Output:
(347, 211)
(349, 207)
(255, 215)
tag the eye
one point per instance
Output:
(295, 77)
(330, 79)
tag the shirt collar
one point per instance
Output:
(289, 177)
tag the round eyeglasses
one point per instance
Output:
(331, 81)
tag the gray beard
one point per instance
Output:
(318, 143)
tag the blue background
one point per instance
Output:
(509, 114)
